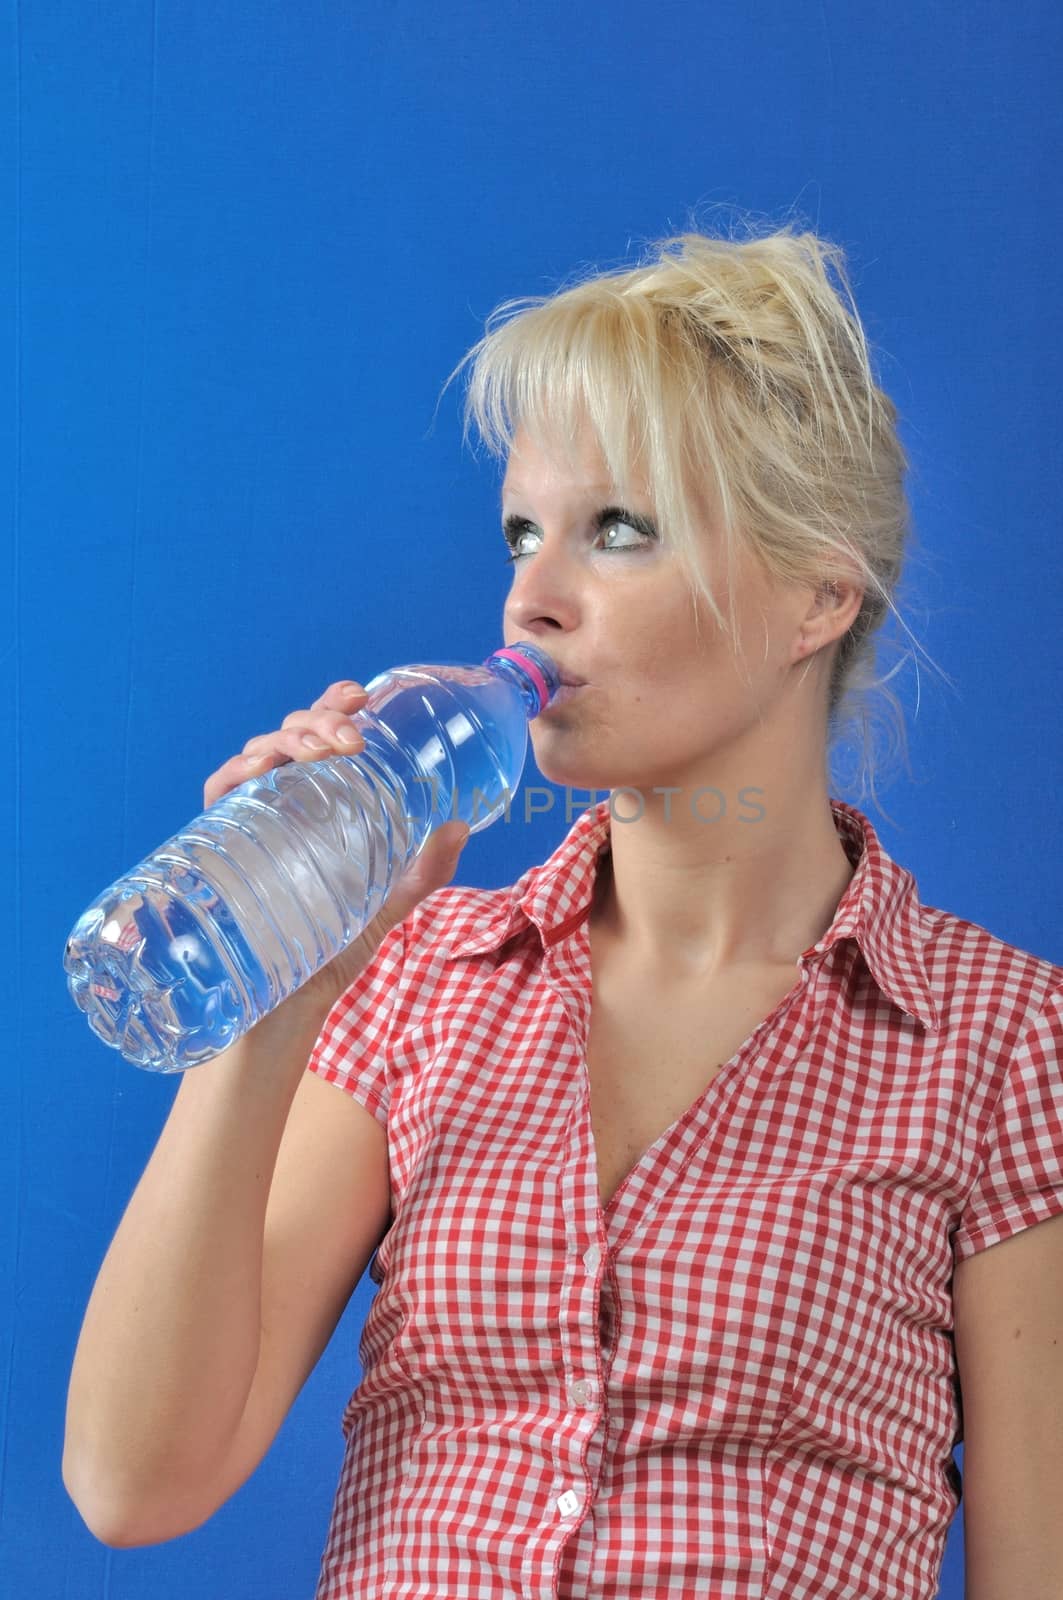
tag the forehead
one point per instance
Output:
(548, 465)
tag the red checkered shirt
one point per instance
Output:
(738, 1379)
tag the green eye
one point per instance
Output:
(631, 526)
(517, 528)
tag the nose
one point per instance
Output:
(545, 591)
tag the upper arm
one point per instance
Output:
(1008, 1332)
(329, 1207)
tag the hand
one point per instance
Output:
(313, 735)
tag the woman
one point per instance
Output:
(680, 1159)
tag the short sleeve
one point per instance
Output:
(1020, 1173)
(352, 1047)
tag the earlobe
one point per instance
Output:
(807, 645)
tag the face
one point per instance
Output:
(663, 702)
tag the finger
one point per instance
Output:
(238, 769)
(311, 738)
(341, 696)
(327, 734)
(331, 727)
(340, 705)
(329, 731)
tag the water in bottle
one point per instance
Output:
(233, 914)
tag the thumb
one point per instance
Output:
(433, 868)
(438, 860)
(453, 835)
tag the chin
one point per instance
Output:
(568, 776)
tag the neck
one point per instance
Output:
(690, 898)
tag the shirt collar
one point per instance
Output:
(880, 908)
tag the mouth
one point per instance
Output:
(564, 693)
(568, 680)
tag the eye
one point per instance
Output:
(514, 531)
(642, 534)
(519, 528)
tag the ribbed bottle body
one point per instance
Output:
(235, 912)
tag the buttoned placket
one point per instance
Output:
(581, 1444)
(577, 1488)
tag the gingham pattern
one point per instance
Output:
(738, 1380)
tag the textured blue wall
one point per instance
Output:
(242, 247)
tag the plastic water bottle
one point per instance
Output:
(229, 917)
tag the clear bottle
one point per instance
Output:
(229, 917)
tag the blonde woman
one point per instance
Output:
(712, 1183)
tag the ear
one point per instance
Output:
(833, 607)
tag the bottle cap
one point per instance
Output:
(540, 667)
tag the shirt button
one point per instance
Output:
(581, 1392)
(591, 1258)
(568, 1503)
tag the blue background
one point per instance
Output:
(243, 246)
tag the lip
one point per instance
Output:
(568, 679)
(565, 692)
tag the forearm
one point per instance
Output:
(170, 1339)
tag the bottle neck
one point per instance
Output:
(531, 671)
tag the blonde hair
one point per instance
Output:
(735, 371)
